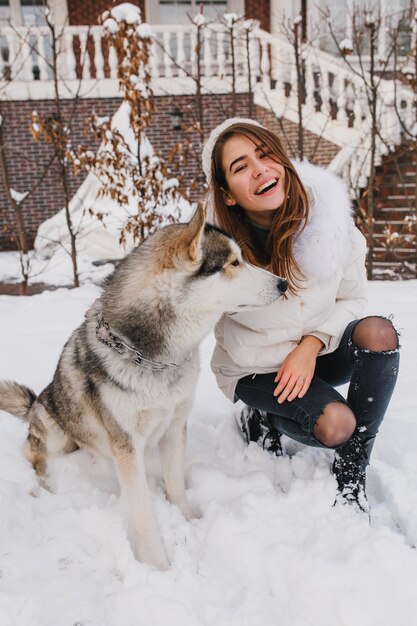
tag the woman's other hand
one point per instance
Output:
(296, 372)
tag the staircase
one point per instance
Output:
(396, 215)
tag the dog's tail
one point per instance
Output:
(16, 399)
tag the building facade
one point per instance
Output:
(333, 102)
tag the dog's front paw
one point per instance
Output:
(190, 512)
(154, 558)
(161, 564)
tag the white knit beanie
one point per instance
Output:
(214, 135)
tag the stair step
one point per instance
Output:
(387, 199)
(395, 180)
(394, 209)
(383, 254)
(400, 197)
(409, 243)
(393, 222)
(395, 206)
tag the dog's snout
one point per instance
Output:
(282, 285)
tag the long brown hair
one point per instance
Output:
(288, 221)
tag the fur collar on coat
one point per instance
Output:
(325, 243)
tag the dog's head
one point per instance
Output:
(195, 267)
(214, 271)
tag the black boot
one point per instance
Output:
(256, 427)
(349, 468)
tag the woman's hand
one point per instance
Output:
(296, 372)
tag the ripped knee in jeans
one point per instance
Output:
(335, 425)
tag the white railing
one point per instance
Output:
(26, 54)
(335, 102)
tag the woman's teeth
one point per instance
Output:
(266, 186)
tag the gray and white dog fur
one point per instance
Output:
(162, 299)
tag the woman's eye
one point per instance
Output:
(235, 263)
(240, 168)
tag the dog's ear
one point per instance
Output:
(191, 237)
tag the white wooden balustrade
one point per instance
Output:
(335, 100)
(26, 57)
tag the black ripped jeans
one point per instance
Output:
(372, 377)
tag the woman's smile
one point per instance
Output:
(267, 187)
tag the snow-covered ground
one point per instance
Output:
(269, 548)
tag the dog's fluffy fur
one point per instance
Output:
(162, 299)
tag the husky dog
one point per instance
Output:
(127, 375)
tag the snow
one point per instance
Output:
(199, 19)
(250, 24)
(269, 548)
(111, 25)
(230, 19)
(172, 182)
(145, 31)
(369, 18)
(17, 196)
(346, 44)
(125, 12)
(408, 70)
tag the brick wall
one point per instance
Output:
(395, 200)
(27, 159)
(87, 11)
(316, 149)
(259, 10)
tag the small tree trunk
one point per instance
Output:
(414, 152)
(22, 240)
(370, 204)
(61, 139)
(24, 283)
(65, 189)
(298, 64)
(415, 164)
(233, 53)
(199, 96)
(249, 73)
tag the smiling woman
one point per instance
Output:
(284, 360)
(255, 176)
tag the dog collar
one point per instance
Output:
(112, 341)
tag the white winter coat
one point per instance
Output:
(331, 252)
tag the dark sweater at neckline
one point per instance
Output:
(260, 236)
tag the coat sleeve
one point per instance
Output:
(350, 299)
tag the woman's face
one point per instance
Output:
(255, 181)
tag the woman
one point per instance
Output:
(284, 360)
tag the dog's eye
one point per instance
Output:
(235, 263)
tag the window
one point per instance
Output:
(341, 17)
(4, 11)
(28, 13)
(33, 12)
(23, 12)
(177, 11)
